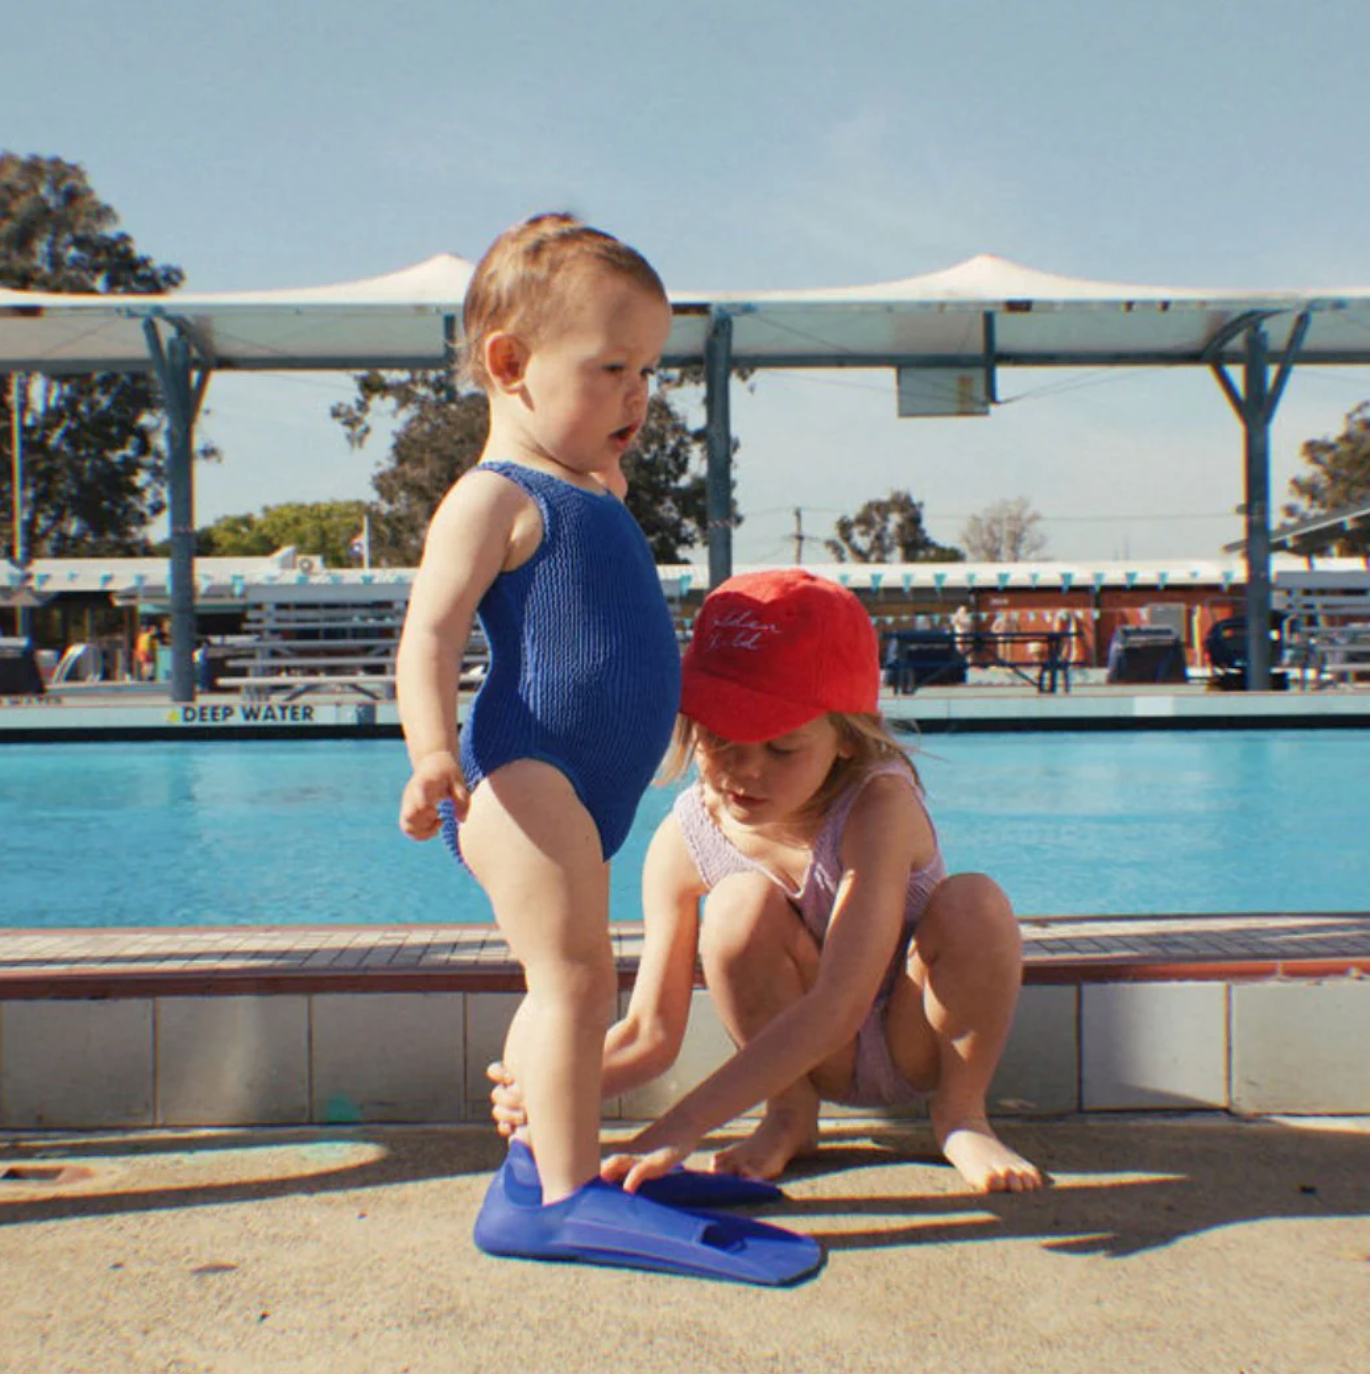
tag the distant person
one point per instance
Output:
(844, 962)
(963, 627)
(564, 329)
(1068, 629)
(1054, 651)
(204, 667)
(145, 648)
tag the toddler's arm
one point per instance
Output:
(469, 542)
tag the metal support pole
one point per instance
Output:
(718, 358)
(182, 398)
(1255, 407)
(1256, 424)
(451, 353)
(19, 390)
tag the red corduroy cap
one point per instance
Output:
(774, 650)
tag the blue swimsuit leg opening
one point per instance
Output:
(601, 1224)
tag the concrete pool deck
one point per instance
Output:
(1183, 1244)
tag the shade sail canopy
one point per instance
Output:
(395, 321)
(984, 312)
(993, 311)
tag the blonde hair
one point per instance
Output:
(866, 738)
(523, 281)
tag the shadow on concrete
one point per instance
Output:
(403, 1155)
(1120, 1186)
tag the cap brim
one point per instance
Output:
(733, 712)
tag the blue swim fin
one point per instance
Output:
(601, 1224)
(679, 1188)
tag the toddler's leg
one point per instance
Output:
(948, 1023)
(536, 852)
(758, 959)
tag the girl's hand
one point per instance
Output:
(633, 1170)
(506, 1100)
(437, 778)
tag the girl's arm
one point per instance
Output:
(887, 835)
(471, 539)
(645, 1043)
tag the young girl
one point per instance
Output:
(564, 328)
(843, 960)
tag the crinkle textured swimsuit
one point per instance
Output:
(875, 1080)
(584, 662)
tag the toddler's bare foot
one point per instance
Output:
(780, 1137)
(983, 1160)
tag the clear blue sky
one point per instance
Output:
(753, 144)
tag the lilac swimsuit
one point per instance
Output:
(875, 1080)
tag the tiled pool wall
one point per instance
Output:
(288, 1058)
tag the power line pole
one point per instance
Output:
(798, 535)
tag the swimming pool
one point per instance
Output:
(129, 834)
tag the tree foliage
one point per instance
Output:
(325, 528)
(440, 433)
(1337, 476)
(1005, 532)
(94, 471)
(889, 530)
(666, 485)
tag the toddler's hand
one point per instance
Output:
(437, 778)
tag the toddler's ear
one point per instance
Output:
(506, 357)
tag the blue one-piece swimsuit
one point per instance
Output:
(584, 662)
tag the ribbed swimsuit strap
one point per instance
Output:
(825, 872)
(714, 854)
(539, 487)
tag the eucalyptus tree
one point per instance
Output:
(438, 432)
(93, 465)
(1336, 476)
(889, 529)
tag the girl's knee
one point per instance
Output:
(969, 911)
(975, 893)
(746, 916)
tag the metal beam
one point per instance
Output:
(718, 367)
(403, 362)
(967, 362)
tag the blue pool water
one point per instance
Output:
(220, 834)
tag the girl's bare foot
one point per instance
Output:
(780, 1136)
(983, 1160)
